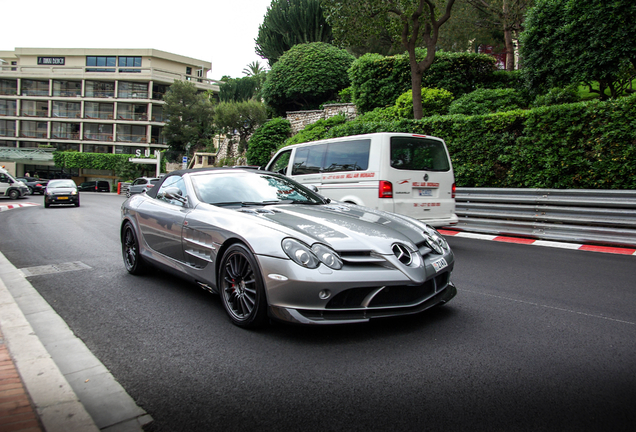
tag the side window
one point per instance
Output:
(4, 178)
(172, 184)
(348, 156)
(279, 165)
(308, 160)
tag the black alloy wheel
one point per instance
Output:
(241, 288)
(130, 251)
(30, 190)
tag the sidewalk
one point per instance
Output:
(16, 412)
(49, 379)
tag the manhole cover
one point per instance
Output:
(54, 268)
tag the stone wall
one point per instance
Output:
(300, 119)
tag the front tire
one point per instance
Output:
(241, 288)
(133, 260)
(14, 194)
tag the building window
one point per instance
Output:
(34, 108)
(7, 128)
(101, 63)
(130, 90)
(95, 148)
(7, 107)
(65, 130)
(135, 112)
(130, 133)
(99, 89)
(28, 144)
(66, 146)
(8, 87)
(157, 113)
(158, 90)
(98, 132)
(97, 110)
(125, 150)
(130, 62)
(32, 129)
(67, 109)
(35, 88)
(156, 135)
(67, 88)
(5, 143)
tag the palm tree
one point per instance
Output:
(254, 69)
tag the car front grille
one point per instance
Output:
(388, 296)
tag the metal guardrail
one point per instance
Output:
(575, 215)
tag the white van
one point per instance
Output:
(397, 172)
(11, 187)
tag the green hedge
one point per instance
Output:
(377, 81)
(103, 161)
(585, 145)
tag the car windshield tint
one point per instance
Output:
(250, 189)
(419, 154)
(62, 184)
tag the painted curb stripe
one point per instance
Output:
(546, 243)
(13, 206)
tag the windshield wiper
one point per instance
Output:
(246, 203)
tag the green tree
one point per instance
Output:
(581, 41)
(240, 118)
(241, 89)
(190, 117)
(288, 23)
(306, 76)
(254, 69)
(411, 23)
(266, 139)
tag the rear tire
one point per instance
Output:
(133, 260)
(241, 288)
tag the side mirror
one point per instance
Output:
(174, 193)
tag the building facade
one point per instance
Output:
(88, 100)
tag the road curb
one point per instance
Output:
(535, 242)
(71, 390)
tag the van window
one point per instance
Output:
(419, 154)
(308, 160)
(279, 165)
(348, 156)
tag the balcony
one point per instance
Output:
(65, 135)
(32, 134)
(131, 138)
(98, 136)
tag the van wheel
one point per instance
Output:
(14, 194)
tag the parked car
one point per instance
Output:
(10, 186)
(271, 247)
(61, 192)
(35, 185)
(142, 184)
(95, 186)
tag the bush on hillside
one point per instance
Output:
(266, 139)
(486, 101)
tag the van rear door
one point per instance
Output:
(422, 177)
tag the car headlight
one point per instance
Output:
(436, 241)
(311, 258)
(74, 192)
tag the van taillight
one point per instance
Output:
(453, 191)
(386, 189)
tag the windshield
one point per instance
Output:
(250, 189)
(61, 184)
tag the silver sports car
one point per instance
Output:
(272, 248)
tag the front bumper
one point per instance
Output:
(61, 199)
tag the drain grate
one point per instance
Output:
(54, 268)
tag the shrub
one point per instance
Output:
(306, 76)
(558, 96)
(434, 102)
(266, 139)
(378, 81)
(486, 101)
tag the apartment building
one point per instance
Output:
(88, 100)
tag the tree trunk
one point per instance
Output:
(507, 28)
(416, 89)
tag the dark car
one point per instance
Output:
(142, 184)
(94, 186)
(272, 248)
(35, 185)
(61, 192)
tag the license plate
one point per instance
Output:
(439, 264)
(62, 198)
(426, 192)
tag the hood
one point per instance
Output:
(343, 227)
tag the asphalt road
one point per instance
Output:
(536, 339)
